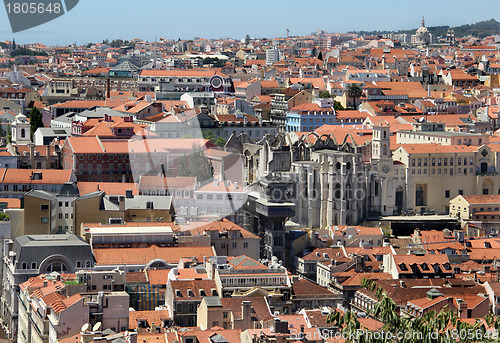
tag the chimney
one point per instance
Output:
(121, 204)
(108, 88)
(359, 264)
(246, 311)
(32, 155)
(45, 283)
(280, 326)
(462, 305)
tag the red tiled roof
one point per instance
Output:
(120, 256)
(11, 203)
(157, 182)
(482, 199)
(111, 188)
(437, 148)
(156, 317)
(48, 176)
(183, 286)
(81, 104)
(223, 225)
(193, 72)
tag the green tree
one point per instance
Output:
(338, 106)
(431, 322)
(217, 140)
(320, 56)
(35, 120)
(325, 94)
(27, 52)
(354, 92)
(196, 164)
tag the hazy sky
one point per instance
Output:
(95, 20)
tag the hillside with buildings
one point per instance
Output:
(292, 189)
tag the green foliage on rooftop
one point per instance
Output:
(27, 52)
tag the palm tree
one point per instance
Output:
(354, 92)
(386, 311)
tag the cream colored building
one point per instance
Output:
(464, 206)
(233, 313)
(230, 239)
(356, 236)
(437, 173)
(441, 137)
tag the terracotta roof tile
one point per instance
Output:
(141, 256)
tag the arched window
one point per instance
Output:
(23, 133)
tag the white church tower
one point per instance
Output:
(21, 130)
(381, 141)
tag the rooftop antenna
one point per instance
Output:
(154, 51)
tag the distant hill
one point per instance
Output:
(481, 29)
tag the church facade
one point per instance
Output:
(422, 36)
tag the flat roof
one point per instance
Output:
(442, 133)
(134, 230)
(419, 218)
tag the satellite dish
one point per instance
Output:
(85, 327)
(97, 327)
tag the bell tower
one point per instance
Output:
(381, 142)
(21, 134)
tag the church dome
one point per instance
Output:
(422, 30)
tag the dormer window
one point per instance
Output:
(178, 293)
(214, 292)
(202, 293)
(190, 293)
